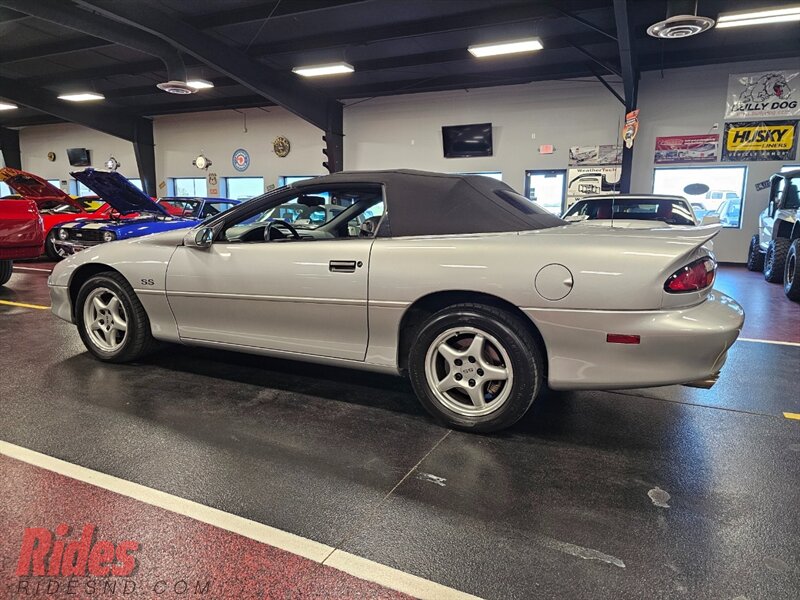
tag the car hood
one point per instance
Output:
(120, 193)
(34, 188)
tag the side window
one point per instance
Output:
(792, 196)
(312, 214)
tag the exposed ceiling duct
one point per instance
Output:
(681, 21)
(73, 17)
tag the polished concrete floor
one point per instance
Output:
(661, 493)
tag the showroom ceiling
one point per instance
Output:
(395, 47)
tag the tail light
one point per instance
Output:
(695, 276)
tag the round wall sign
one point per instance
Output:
(281, 146)
(240, 159)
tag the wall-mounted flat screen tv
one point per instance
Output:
(467, 140)
(78, 157)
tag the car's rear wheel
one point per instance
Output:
(775, 260)
(6, 269)
(111, 321)
(50, 249)
(791, 274)
(755, 258)
(476, 367)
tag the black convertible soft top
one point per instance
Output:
(427, 203)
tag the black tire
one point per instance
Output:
(138, 340)
(6, 270)
(791, 273)
(775, 260)
(516, 341)
(49, 247)
(755, 258)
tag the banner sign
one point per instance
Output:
(770, 94)
(686, 149)
(631, 128)
(592, 181)
(605, 154)
(759, 140)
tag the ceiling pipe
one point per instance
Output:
(69, 15)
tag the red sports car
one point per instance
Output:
(54, 205)
(21, 233)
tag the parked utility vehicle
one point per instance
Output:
(776, 246)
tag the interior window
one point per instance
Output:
(312, 214)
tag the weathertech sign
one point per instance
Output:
(759, 140)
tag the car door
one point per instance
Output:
(768, 216)
(304, 296)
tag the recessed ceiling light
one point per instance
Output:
(199, 84)
(82, 97)
(512, 47)
(7, 106)
(317, 70)
(760, 17)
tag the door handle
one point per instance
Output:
(342, 266)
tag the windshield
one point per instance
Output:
(674, 212)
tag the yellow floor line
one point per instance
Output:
(24, 305)
(795, 416)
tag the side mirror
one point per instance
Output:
(200, 238)
(710, 219)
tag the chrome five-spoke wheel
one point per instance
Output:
(469, 371)
(104, 319)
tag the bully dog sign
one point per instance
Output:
(770, 94)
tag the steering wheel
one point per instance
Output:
(277, 225)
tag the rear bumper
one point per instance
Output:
(677, 346)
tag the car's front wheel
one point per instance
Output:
(50, 249)
(755, 258)
(791, 274)
(111, 321)
(775, 260)
(6, 269)
(476, 367)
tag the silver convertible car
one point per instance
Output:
(466, 286)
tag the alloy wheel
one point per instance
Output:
(104, 319)
(469, 371)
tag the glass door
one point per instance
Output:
(548, 188)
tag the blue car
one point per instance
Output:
(134, 213)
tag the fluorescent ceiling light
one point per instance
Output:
(760, 17)
(7, 106)
(82, 97)
(316, 70)
(512, 47)
(199, 84)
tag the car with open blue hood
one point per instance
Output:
(134, 213)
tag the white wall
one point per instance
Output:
(689, 101)
(180, 138)
(405, 131)
(36, 142)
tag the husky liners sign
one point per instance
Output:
(770, 94)
(760, 140)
